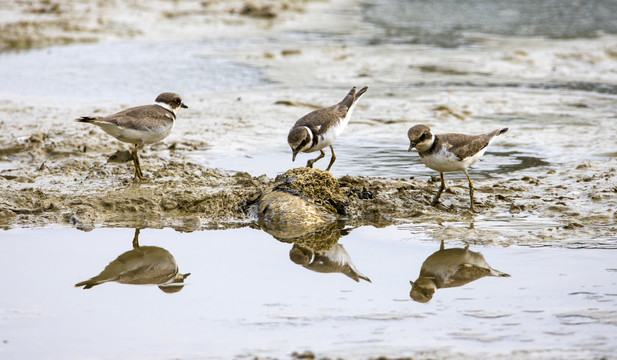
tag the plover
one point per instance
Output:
(334, 260)
(450, 152)
(448, 268)
(318, 129)
(141, 266)
(141, 125)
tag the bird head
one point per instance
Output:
(420, 137)
(301, 255)
(299, 139)
(422, 290)
(172, 100)
(175, 285)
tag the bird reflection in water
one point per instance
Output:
(143, 265)
(320, 251)
(450, 268)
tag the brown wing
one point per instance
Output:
(320, 120)
(140, 117)
(464, 146)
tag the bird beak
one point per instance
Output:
(411, 146)
(184, 106)
(294, 155)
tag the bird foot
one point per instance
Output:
(138, 177)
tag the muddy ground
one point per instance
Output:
(62, 174)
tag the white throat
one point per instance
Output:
(166, 106)
(426, 144)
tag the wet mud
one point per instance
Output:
(66, 177)
(34, 24)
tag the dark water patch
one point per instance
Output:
(446, 23)
(520, 162)
(447, 70)
(584, 86)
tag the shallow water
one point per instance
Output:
(446, 23)
(123, 71)
(245, 297)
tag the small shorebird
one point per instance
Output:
(318, 129)
(450, 152)
(141, 266)
(449, 268)
(141, 125)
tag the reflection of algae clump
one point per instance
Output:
(320, 240)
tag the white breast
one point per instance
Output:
(445, 161)
(326, 139)
(135, 136)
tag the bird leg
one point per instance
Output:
(138, 174)
(136, 239)
(136, 243)
(470, 191)
(441, 189)
(311, 162)
(331, 160)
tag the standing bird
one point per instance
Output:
(318, 129)
(141, 125)
(450, 152)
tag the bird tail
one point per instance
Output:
(502, 131)
(495, 272)
(86, 119)
(363, 278)
(89, 283)
(352, 96)
(361, 91)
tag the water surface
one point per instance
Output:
(453, 23)
(245, 298)
(123, 71)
